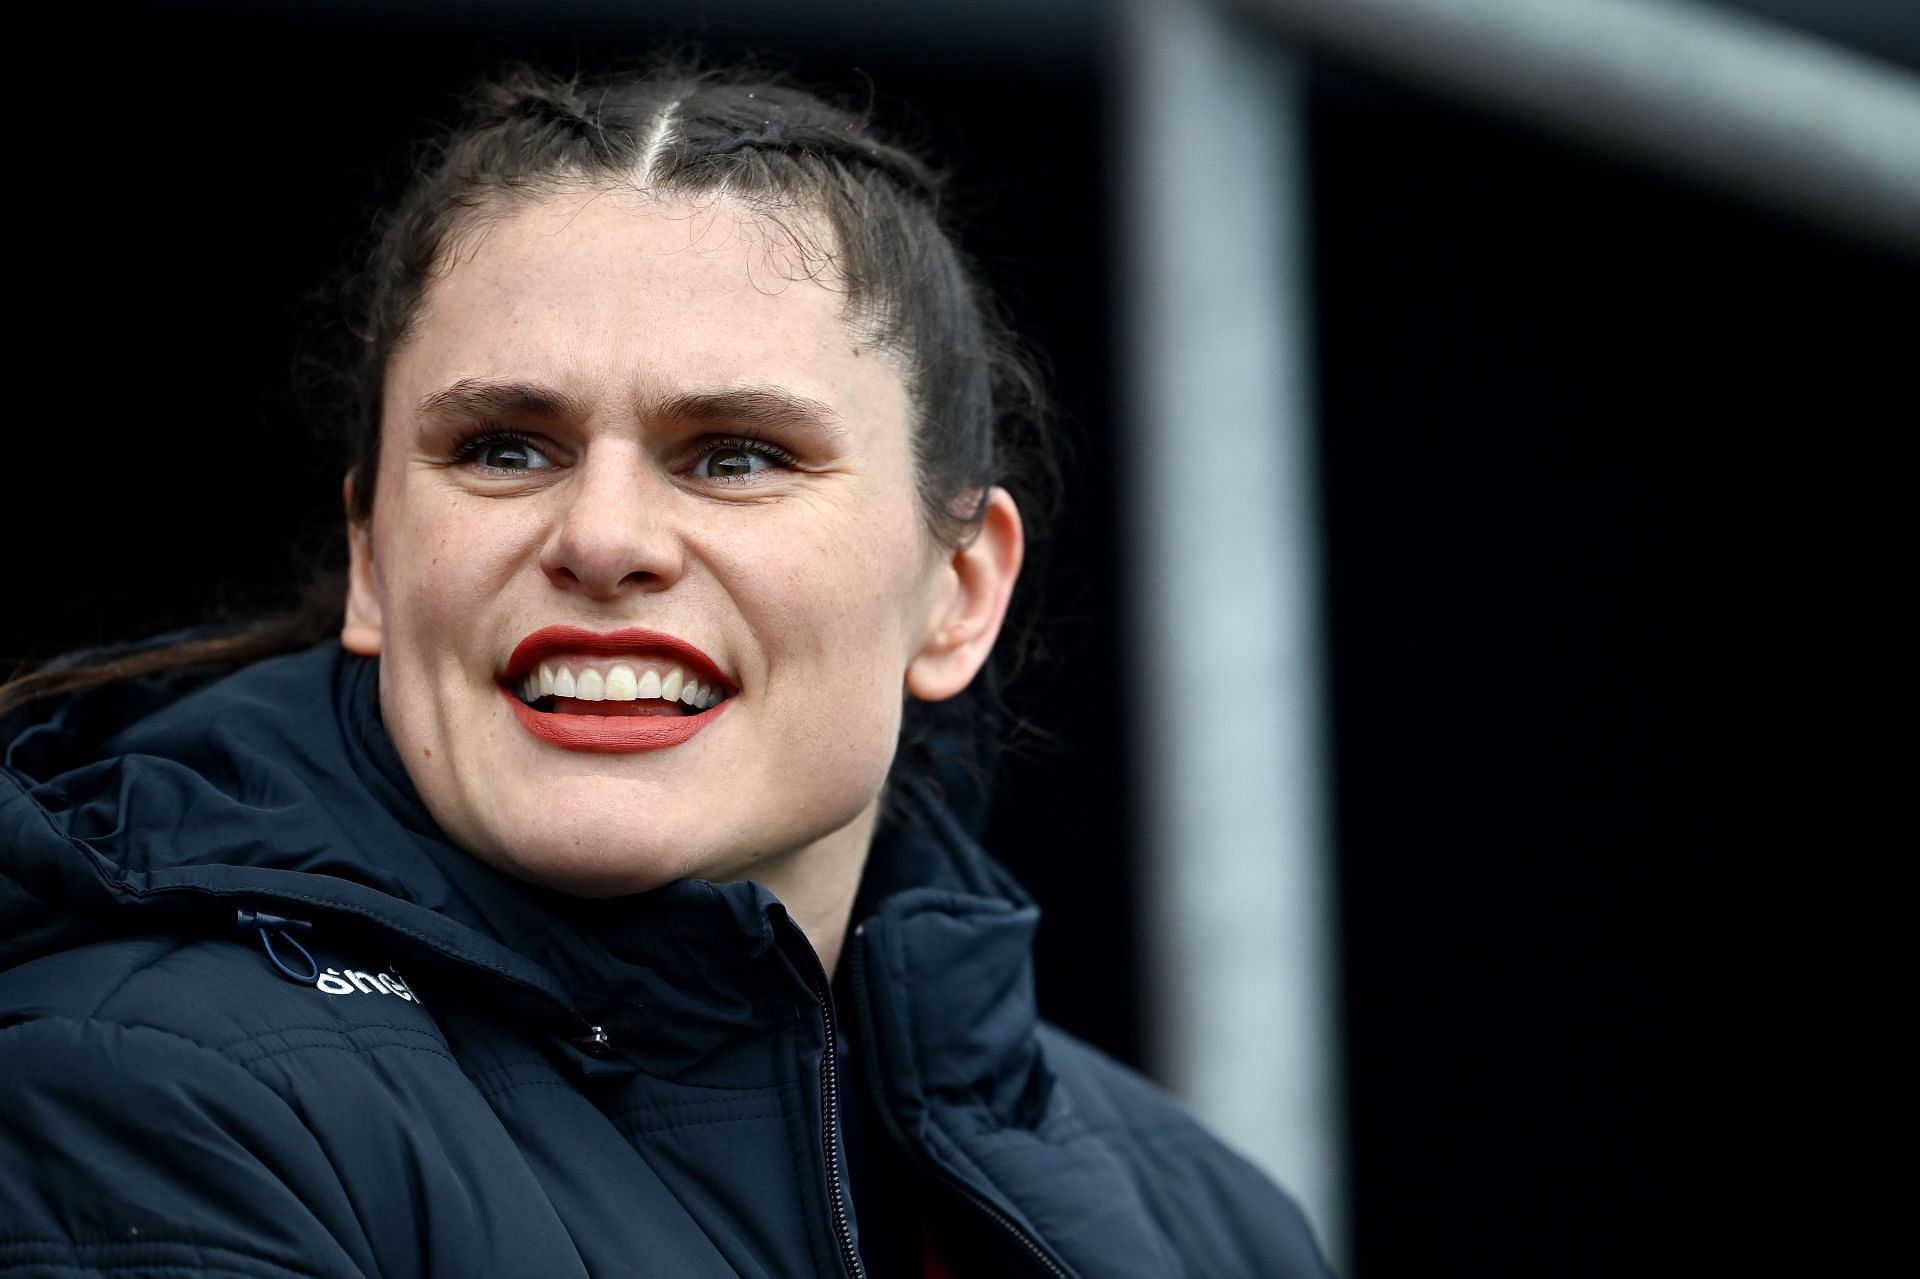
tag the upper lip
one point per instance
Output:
(633, 640)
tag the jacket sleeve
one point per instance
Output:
(134, 1153)
(1224, 1216)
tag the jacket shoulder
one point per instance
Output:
(1223, 1212)
(220, 993)
(130, 1150)
(178, 1093)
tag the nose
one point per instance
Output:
(613, 533)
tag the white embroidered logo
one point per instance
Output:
(353, 981)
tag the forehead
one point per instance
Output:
(614, 295)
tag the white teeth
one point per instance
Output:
(624, 682)
(621, 684)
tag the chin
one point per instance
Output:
(604, 835)
(613, 875)
(600, 847)
(599, 859)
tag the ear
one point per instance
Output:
(971, 603)
(360, 634)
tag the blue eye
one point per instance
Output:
(729, 463)
(739, 459)
(506, 453)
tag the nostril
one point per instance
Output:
(612, 541)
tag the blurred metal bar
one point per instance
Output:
(1750, 105)
(1226, 581)
(1019, 33)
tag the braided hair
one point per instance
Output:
(795, 160)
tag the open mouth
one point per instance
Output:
(620, 691)
(629, 689)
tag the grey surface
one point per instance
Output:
(1225, 558)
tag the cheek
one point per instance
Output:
(444, 565)
(835, 610)
(845, 597)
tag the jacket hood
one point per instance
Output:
(171, 803)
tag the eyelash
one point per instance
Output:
(469, 449)
(741, 444)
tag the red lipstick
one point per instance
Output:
(610, 734)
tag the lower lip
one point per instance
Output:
(611, 734)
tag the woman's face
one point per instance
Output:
(627, 448)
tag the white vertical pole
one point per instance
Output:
(1225, 570)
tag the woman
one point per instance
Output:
(567, 913)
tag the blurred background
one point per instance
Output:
(1484, 693)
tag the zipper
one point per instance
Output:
(869, 1043)
(816, 976)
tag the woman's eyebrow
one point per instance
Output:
(485, 398)
(747, 407)
(753, 407)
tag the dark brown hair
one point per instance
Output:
(846, 204)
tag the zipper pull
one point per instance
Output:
(596, 1041)
(270, 926)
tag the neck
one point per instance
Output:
(817, 884)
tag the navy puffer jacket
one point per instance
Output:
(259, 1018)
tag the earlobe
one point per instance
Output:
(981, 575)
(360, 632)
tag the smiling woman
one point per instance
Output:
(687, 460)
(618, 419)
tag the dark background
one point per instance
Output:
(1621, 491)
(1619, 507)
